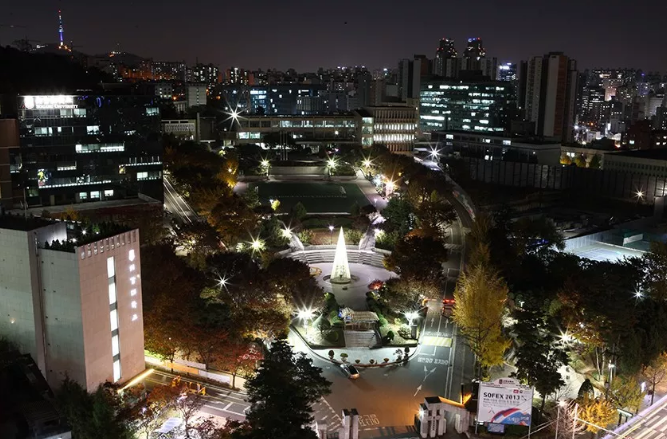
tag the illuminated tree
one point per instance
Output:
(655, 373)
(626, 393)
(480, 302)
(597, 413)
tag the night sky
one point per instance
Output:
(306, 35)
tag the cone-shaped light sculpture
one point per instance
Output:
(340, 274)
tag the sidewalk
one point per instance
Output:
(370, 192)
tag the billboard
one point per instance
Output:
(504, 401)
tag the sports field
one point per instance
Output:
(317, 197)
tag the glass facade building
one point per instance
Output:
(484, 106)
(86, 148)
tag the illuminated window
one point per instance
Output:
(94, 194)
(108, 193)
(111, 271)
(132, 267)
(135, 317)
(133, 304)
(116, 370)
(133, 292)
(113, 317)
(112, 293)
(115, 346)
(131, 255)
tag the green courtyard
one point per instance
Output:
(317, 197)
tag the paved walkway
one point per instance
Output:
(370, 192)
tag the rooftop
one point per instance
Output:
(654, 154)
(21, 222)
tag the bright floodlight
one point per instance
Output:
(287, 233)
(390, 185)
(562, 403)
(639, 294)
(566, 337)
(331, 228)
(639, 194)
(331, 163)
(83, 232)
(411, 316)
(435, 152)
(306, 314)
(257, 245)
(222, 282)
(265, 163)
(367, 163)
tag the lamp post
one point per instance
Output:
(561, 404)
(331, 229)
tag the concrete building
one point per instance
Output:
(394, 126)
(495, 147)
(468, 105)
(443, 55)
(81, 148)
(550, 98)
(195, 95)
(410, 74)
(650, 163)
(9, 146)
(164, 90)
(641, 135)
(74, 307)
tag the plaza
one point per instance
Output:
(318, 197)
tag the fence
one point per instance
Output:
(196, 369)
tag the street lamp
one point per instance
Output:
(331, 165)
(306, 315)
(222, 282)
(331, 229)
(266, 165)
(411, 316)
(367, 163)
(389, 187)
(435, 154)
(257, 245)
(561, 404)
(639, 194)
(287, 233)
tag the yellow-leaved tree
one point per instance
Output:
(480, 297)
(597, 413)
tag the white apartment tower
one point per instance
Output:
(75, 308)
(551, 83)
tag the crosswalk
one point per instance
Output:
(653, 427)
(437, 341)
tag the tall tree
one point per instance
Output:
(480, 301)
(655, 271)
(418, 258)
(596, 413)
(655, 373)
(538, 354)
(92, 415)
(626, 393)
(282, 394)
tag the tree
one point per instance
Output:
(291, 279)
(596, 412)
(580, 161)
(626, 393)
(92, 415)
(240, 356)
(298, 212)
(281, 396)
(417, 258)
(655, 373)
(538, 354)
(398, 217)
(480, 301)
(434, 215)
(398, 295)
(655, 271)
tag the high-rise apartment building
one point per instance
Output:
(80, 148)
(507, 72)
(475, 49)
(75, 307)
(195, 95)
(550, 97)
(473, 105)
(445, 58)
(206, 74)
(410, 74)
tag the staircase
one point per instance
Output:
(360, 339)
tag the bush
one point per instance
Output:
(331, 352)
(322, 324)
(353, 236)
(306, 236)
(382, 321)
(371, 361)
(332, 337)
(343, 356)
(405, 333)
(390, 336)
(357, 361)
(386, 360)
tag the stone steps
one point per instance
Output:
(360, 339)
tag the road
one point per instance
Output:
(650, 423)
(175, 204)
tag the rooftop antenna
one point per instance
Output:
(60, 28)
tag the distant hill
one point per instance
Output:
(27, 73)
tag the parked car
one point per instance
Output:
(350, 371)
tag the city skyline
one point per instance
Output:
(305, 37)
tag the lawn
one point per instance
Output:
(317, 197)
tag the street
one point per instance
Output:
(174, 203)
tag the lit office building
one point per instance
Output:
(75, 307)
(481, 106)
(507, 72)
(86, 148)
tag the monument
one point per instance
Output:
(340, 273)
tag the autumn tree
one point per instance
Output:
(596, 413)
(626, 394)
(480, 302)
(434, 214)
(240, 357)
(655, 269)
(418, 258)
(655, 373)
(291, 279)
